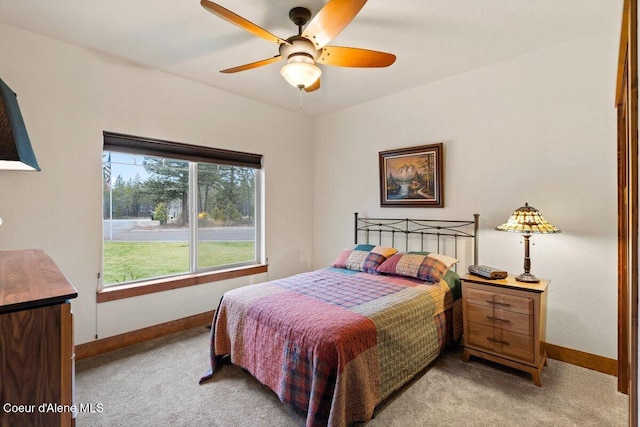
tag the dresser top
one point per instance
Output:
(29, 279)
(509, 282)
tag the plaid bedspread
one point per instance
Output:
(333, 343)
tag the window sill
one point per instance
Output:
(113, 293)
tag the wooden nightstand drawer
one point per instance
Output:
(477, 335)
(503, 319)
(510, 344)
(515, 303)
(517, 346)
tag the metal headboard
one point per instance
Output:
(392, 231)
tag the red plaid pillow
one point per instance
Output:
(422, 265)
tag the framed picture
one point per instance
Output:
(412, 177)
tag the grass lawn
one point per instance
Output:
(127, 261)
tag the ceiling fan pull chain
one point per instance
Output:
(300, 105)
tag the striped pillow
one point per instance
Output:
(427, 266)
(366, 258)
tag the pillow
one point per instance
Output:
(365, 258)
(427, 266)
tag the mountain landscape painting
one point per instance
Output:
(412, 176)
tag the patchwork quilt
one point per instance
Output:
(334, 343)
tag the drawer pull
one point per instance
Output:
(506, 304)
(498, 320)
(497, 341)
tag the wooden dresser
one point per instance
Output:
(505, 322)
(36, 341)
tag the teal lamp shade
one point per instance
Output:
(15, 147)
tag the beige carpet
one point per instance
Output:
(156, 384)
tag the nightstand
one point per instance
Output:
(505, 322)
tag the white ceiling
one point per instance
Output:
(432, 39)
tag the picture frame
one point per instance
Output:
(412, 177)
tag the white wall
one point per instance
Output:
(539, 128)
(68, 96)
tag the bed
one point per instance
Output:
(336, 342)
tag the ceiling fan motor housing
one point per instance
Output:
(299, 46)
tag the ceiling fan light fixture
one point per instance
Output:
(300, 72)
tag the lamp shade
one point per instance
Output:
(15, 147)
(300, 74)
(528, 220)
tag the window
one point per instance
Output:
(172, 209)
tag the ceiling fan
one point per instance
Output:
(309, 47)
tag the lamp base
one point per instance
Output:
(527, 277)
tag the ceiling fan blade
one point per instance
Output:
(355, 57)
(331, 20)
(252, 65)
(313, 87)
(238, 20)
